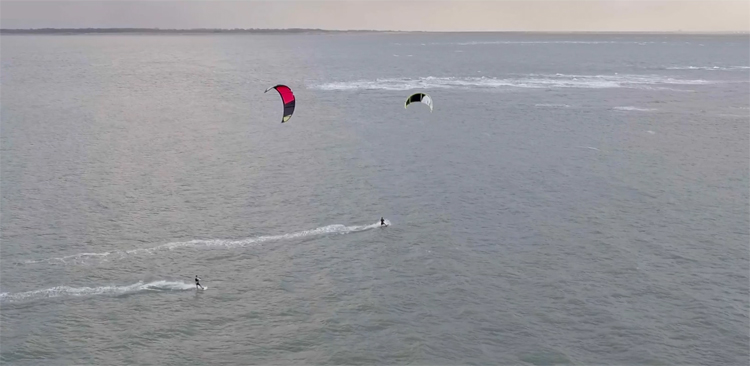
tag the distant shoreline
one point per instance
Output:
(75, 31)
(65, 31)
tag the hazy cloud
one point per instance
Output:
(447, 15)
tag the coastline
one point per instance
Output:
(260, 31)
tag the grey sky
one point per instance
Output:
(446, 15)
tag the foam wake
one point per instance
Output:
(67, 291)
(546, 81)
(214, 243)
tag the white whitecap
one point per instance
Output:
(635, 109)
(551, 105)
(709, 68)
(538, 81)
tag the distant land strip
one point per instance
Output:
(73, 31)
(176, 31)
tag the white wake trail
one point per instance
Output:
(213, 243)
(67, 291)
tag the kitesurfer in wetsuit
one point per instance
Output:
(382, 222)
(197, 283)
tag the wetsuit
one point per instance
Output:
(197, 283)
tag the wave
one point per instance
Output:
(221, 243)
(67, 291)
(551, 105)
(482, 43)
(637, 109)
(730, 115)
(529, 81)
(708, 68)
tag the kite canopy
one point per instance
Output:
(287, 97)
(419, 97)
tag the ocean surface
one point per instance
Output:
(572, 199)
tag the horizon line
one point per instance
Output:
(299, 30)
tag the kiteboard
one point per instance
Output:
(203, 289)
